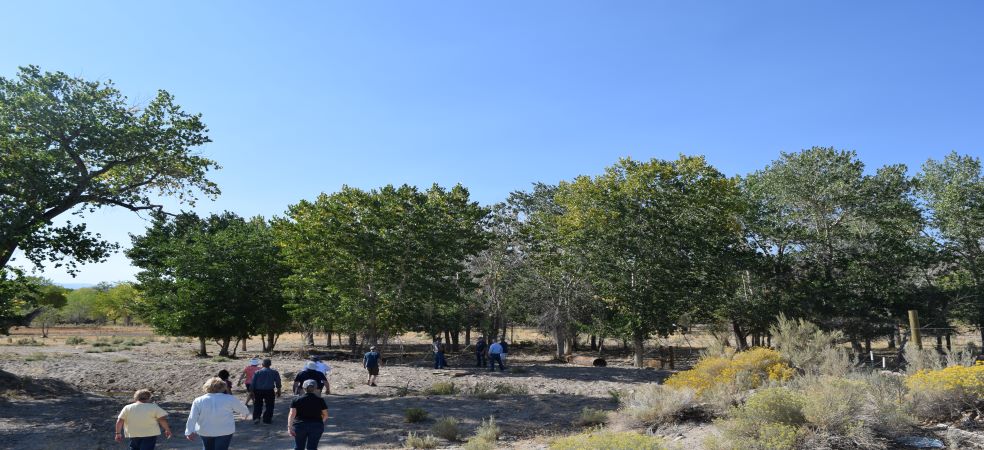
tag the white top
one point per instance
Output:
(323, 367)
(211, 415)
(495, 349)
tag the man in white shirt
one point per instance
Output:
(211, 416)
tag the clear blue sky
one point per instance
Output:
(303, 97)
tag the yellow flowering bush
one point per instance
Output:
(942, 394)
(744, 370)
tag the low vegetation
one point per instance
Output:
(591, 417)
(441, 388)
(414, 415)
(608, 440)
(416, 441)
(446, 428)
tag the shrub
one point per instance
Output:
(488, 391)
(917, 359)
(415, 441)
(29, 341)
(887, 413)
(942, 394)
(121, 360)
(74, 340)
(414, 415)
(478, 444)
(220, 359)
(809, 348)
(488, 431)
(769, 419)
(769, 436)
(446, 428)
(658, 404)
(608, 440)
(745, 370)
(773, 405)
(36, 357)
(590, 417)
(441, 388)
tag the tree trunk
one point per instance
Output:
(739, 335)
(328, 338)
(601, 345)
(594, 342)
(867, 345)
(201, 347)
(891, 340)
(235, 346)
(468, 335)
(574, 346)
(939, 343)
(354, 343)
(224, 346)
(309, 337)
(244, 342)
(948, 347)
(447, 337)
(638, 347)
(454, 340)
(561, 341)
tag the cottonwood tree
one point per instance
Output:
(953, 190)
(68, 145)
(218, 277)
(838, 245)
(657, 236)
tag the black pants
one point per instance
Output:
(495, 358)
(479, 359)
(261, 397)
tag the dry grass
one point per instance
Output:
(655, 404)
(591, 417)
(446, 428)
(415, 441)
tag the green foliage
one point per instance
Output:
(488, 431)
(67, 144)
(657, 404)
(809, 348)
(414, 415)
(441, 388)
(591, 417)
(74, 340)
(218, 277)
(608, 440)
(446, 428)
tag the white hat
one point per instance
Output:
(254, 362)
(311, 366)
(309, 383)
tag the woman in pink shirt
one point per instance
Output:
(247, 377)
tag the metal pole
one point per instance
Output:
(914, 327)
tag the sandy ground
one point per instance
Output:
(75, 396)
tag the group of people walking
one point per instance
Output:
(212, 415)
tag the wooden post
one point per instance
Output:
(672, 359)
(914, 327)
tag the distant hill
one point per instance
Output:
(75, 285)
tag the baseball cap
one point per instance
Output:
(254, 362)
(310, 365)
(309, 383)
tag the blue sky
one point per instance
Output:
(303, 97)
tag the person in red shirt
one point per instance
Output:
(247, 377)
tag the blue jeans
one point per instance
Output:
(495, 358)
(216, 442)
(307, 435)
(143, 443)
(439, 361)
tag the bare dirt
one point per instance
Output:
(67, 396)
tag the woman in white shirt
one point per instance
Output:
(211, 416)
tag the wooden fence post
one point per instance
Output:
(914, 327)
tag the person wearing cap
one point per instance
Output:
(321, 366)
(266, 381)
(310, 372)
(212, 416)
(247, 377)
(371, 362)
(307, 417)
(142, 422)
(438, 348)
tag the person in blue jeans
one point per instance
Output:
(308, 414)
(495, 356)
(439, 361)
(266, 388)
(480, 352)
(212, 416)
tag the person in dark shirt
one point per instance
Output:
(224, 376)
(480, 352)
(310, 372)
(438, 348)
(371, 362)
(266, 381)
(308, 414)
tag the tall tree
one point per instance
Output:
(657, 236)
(953, 190)
(68, 145)
(216, 278)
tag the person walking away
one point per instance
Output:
(495, 356)
(438, 348)
(224, 376)
(480, 352)
(266, 387)
(370, 361)
(505, 350)
(310, 372)
(212, 416)
(246, 377)
(142, 422)
(307, 417)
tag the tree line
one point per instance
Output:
(643, 249)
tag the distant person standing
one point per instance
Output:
(371, 363)
(224, 376)
(495, 356)
(505, 350)
(310, 372)
(308, 414)
(246, 377)
(142, 422)
(266, 387)
(480, 352)
(212, 418)
(438, 348)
